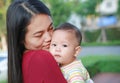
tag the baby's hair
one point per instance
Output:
(73, 29)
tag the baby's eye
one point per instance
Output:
(54, 45)
(64, 45)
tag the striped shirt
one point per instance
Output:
(75, 72)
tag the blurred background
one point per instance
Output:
(99, 22)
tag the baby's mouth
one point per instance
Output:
(57, 55)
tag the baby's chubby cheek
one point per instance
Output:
(51, 51)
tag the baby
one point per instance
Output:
(65, 47)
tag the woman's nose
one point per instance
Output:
(48, 37)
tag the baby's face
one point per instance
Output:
(64, 47)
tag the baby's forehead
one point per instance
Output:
(67, 33)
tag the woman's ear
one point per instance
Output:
(77, 50)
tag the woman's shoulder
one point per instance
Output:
(35, 57)
(34, 62)
(35, 54)
(39, 66)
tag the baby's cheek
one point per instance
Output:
(51, 51)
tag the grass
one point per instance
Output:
(97, 64)
(4, 81)
(90, 60)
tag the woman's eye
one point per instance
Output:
(64, 45)
(38, 35)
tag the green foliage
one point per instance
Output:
(112, 34)
(118, 13)
(60, 10)
(3, 8)
(97, 64)
(60, 15)
(104, 66)
(91, 36)
(87, 7)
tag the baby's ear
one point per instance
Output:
(77, 49)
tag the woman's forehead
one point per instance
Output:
(40, 22)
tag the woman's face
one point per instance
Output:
(39, 32)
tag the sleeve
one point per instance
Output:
(89, 81)
(40, 67)
(75, 77)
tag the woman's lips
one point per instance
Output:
(47, 46)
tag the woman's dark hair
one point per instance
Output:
(19, 15)
(72, 29)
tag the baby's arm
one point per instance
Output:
(76, 77)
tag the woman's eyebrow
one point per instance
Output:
(42, 31)
(50, 25)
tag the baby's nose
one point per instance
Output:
(58, 49)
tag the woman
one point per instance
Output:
(29, 29)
